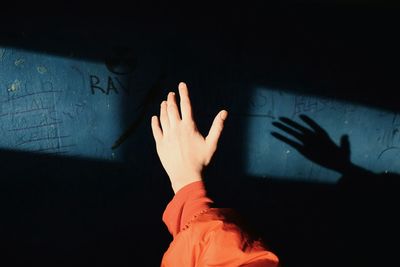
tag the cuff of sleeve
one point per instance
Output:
(187, 202)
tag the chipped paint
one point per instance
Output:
(19, 62)
(41, 69)
(14, 86)
(2, 53)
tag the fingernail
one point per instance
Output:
(224, 114)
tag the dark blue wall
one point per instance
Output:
(70, 88)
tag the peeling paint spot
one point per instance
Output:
(14, 86)
(41, 69)
(2, 53)
(19, 62)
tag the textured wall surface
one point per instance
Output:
(78, 108)
(70, 88)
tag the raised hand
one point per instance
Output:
(182, 150)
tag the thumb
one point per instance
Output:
(345, 145)
(215, 131)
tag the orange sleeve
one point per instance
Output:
(205, 236)
(187, 202)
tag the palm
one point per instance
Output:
(183, 151)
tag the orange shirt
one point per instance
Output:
(205, 236)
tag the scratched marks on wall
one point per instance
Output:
(47, 106)
(2, 53)
(304, 104)
(32, 120)
(374, 135)
(379, 129)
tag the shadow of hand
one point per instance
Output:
(315, 143)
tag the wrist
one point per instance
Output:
(178, 184)
(355, 171)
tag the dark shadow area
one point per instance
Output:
(61, 211)
(64, 211)
(338, 50)
(351, 223)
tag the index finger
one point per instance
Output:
(312, 123)
(186, 107)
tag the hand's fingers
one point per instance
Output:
(215, 131)
(345, 144)
(173, 112)
(296, 125)
(155, 126)
(312, 124)
(286, 140)
(186, 107)
(164, 116)
(288, 130)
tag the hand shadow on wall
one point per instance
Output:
(351, 223)
(361, 219)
